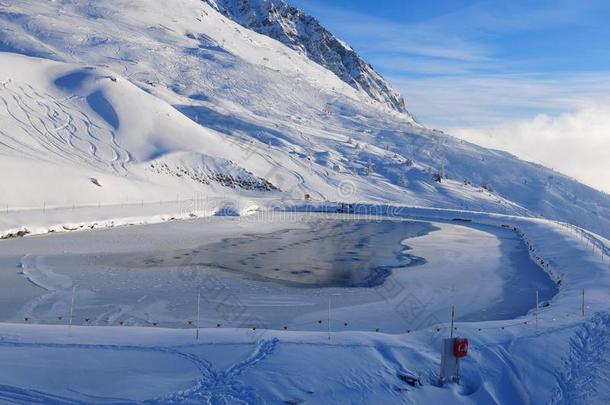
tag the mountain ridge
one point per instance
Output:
(303, 33)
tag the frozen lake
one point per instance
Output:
(325, 253)
(279, 272)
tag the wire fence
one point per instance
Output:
(45, 206)
(594, 242)
(545, 317)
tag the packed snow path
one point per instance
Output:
(210, 386)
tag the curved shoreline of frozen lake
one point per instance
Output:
(485, 271)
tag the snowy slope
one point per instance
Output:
(304, 33)
(214, 101)
(77, 133)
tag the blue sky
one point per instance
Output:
(520, 49)
(530, 77)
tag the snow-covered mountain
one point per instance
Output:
(304, 34)
(154, 102)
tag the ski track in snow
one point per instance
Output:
(53, 128)
(212, 387)
(586, 371)
(42, 276)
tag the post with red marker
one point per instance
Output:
(453, 349)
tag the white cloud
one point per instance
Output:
(576, 143)
(483, 100)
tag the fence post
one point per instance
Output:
(198, 313)
(329, 317)
(536, 309)
(72, 307)
(452, 319)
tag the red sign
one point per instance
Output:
(460, 347)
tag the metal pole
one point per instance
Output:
(198, 313)
(452, 319)
(536, 308)
(72, 307)
(582, 306)
(329, 317)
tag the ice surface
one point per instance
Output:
(377, 273)
(326, 253)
